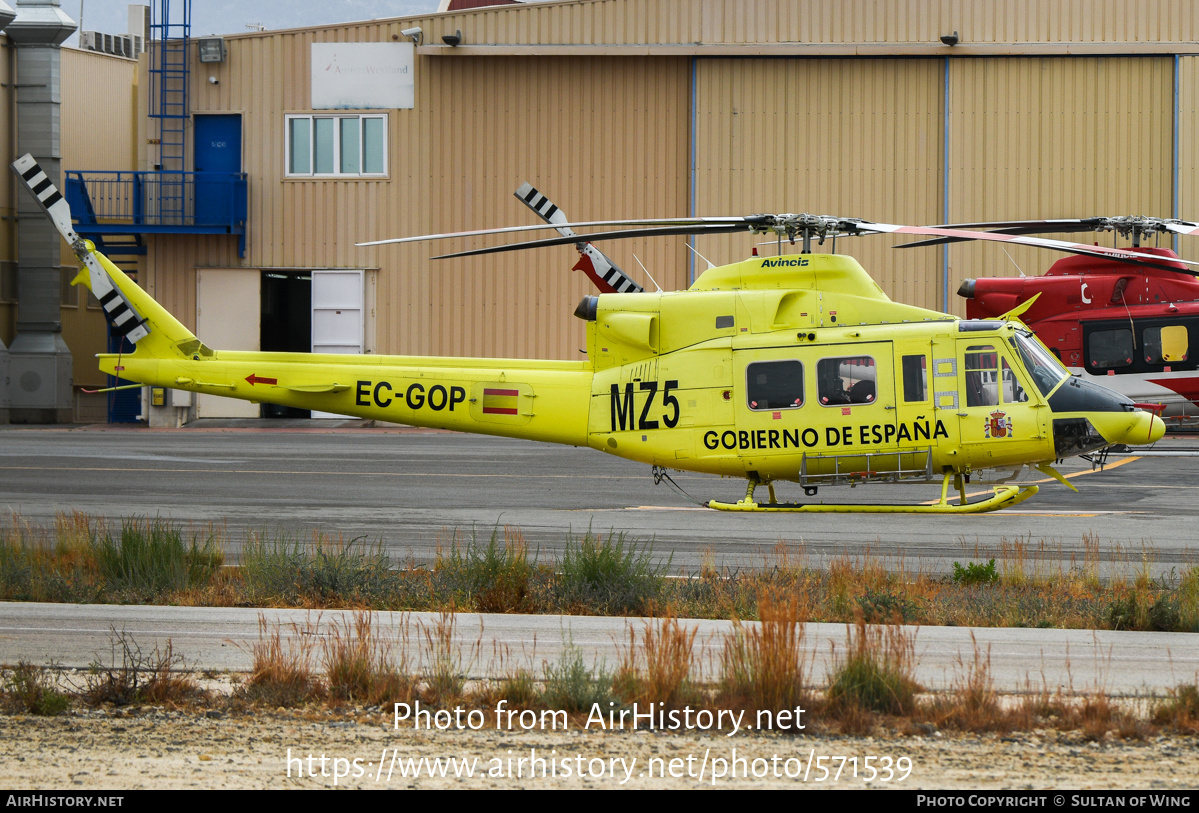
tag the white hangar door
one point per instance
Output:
(228, 317)
(338, 314)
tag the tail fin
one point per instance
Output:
(603, 273)
(132, 312)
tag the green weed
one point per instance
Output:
(571, 686)
(975, 573)
(325, 572)
(609, 575)
(28, 688)
(876, 673)
(150, 558)
(495, 577)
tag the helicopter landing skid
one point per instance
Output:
(1004, 497)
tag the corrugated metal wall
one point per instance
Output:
(852, 138)
(839, 22)
(99, 117)
(1188, 143)
(1055, 138)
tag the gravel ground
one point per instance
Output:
(101, 749)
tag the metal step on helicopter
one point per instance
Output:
(1134, 327)
(788, 368)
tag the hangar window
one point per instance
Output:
(774, 385)
(331, 146)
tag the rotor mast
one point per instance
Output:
(805, 227)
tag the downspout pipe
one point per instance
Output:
(7, 15)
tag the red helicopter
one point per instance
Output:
(1133, 325)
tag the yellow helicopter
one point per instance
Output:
(786, 368)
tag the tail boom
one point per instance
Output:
(544, 401)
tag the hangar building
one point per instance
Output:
(912, 111)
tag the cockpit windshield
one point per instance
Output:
(1044, 367)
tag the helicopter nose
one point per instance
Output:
(1134, 428)
(1154, 429)
(1093, 417)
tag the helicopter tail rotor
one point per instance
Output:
(606, 275)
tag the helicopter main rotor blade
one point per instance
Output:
(1121, 254)
(661, 231)
(1182, 227)
(737, 222)
(1059, 226)
(1127, 225)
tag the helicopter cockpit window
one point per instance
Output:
(1166, 345)
(846, 380)
(774, 385)
(1012, 391)
(1109, 349)
(982, 375)
(1045, 369)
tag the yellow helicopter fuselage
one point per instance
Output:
(783, 368)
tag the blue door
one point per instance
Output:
(217, 150)
(124, 406)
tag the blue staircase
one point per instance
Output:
(116, 209)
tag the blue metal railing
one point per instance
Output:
(210, 200)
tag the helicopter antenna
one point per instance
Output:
(697, 254)
(1009, 256)
(647, 273)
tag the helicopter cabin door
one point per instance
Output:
(992, 397)
(819, 401)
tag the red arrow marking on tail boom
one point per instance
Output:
(255, 379)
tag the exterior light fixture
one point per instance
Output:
(212, 49)
(453, 40)
(950, 39)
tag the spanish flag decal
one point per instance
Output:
(500, 401)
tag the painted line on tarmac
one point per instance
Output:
(1117, 464)
(664, 508)
(1058, 512)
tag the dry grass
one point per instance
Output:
(973, 703)
(133, 675)
(764, 666)
(31, 689)
(448, 663)
(360, 663)
(1180, 711)
(655, 667)
(281, 672)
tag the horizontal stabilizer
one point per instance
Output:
(318, 388)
